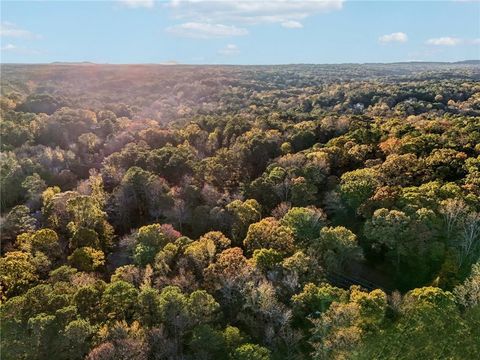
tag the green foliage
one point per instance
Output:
(11, 192)
(207, 343)
(203, 251)
(305, 223)
(43, 244)
(266, 259)
(335, 247)
(314, 300)
(119, 300)
(148, 309)
(87, 259)
(358, 185)
(289, 189)
(141, 195)
(34, 185)
(203, 307)
(87, 301)
(348, 323)
(468, 293)
(233, 337)
(17, 273)
(251, 352)
(149, 240)
(244, 214)
(269, 234)
(85, 237)
(431, 326)
(78, 334)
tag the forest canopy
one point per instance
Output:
(240, 212)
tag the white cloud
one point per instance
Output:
(19, 50)
(138, 3)
(292, 24)
(393, 37)
(444, 41)
(251, 11)
(476, 41)
(229, 50)
(8, 47)
(8, 29)
(205, 30)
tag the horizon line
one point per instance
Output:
(166, 63)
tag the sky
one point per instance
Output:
(239, 31)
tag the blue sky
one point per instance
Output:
(239, 32)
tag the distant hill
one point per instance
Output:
(73, 63)
(174, 62)
(470, 62)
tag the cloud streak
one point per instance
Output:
(452, 41)
(444, 41)
(200, 30)
(252, 12)
(138, 3)
(11, 48)
(396, 37)
(292, 24)
(8, 47)
(229, 50)
(8, 29)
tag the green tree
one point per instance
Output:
(141, 196)
(335, 247)
(42, 327)
(87, 259)
(305, 223)
(148, 307)
(233, 338)
(202, 307)
(76, 339)
(266, 259)
(342, 329)
(84, 237)
(303, 191)
(34, 185)
(11, 191)
(390, 229)
(251, 352)
(85, 212)
(174, 313)
(244, 213)
(119, 300)
(207, 343)
(358, 185)
(149, 241)
(313, 300)
(430, 326)
(269, 234)
(87, 300)
(17, 273)
(43, 240)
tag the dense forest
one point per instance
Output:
(240, 213)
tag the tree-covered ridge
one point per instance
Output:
(284, 212)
